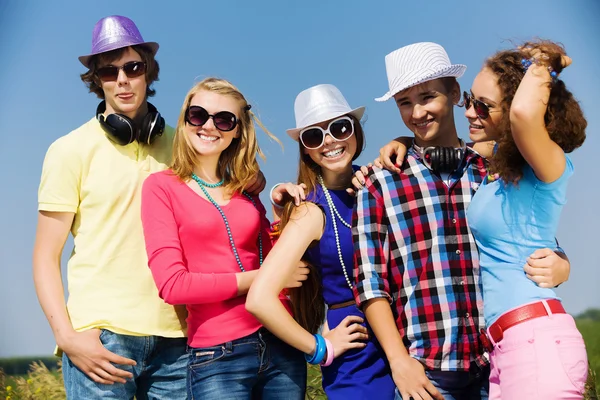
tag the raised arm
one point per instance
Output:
(176, 284)
(527, 112)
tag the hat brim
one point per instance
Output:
(85, 60)
(357, 113)
(452, 71)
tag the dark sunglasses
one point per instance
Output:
(340, 129)
(132, 69)
(481, 109)
(224, 121)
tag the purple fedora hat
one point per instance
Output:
(115, 32)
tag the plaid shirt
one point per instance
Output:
(413, 246)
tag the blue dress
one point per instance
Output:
(361, 373)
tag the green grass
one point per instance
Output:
(41, 383)
(314, 389)
(590, 330)
(21, 365)
(11, 380)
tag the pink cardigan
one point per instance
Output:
(191, 259)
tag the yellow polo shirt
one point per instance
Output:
(110, 285)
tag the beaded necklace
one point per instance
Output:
(203, 185)
(335, 213)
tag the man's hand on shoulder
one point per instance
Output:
(392, 154)
(358, 180)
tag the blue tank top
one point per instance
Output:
(324, 253)
(509, 222)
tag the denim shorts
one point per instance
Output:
(159, 373)
(258, 366)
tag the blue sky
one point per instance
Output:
(271, 50)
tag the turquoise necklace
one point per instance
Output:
(202, 182)
(203, 185)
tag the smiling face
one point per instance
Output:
(485, 89)
(125, 95)
(207, 140)
(427, 110)
(334, 155)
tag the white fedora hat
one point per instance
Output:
(318, 104)
(418, 63)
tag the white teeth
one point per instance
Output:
(422, 124)
(208, 138)
(476, 126)
(333, 153)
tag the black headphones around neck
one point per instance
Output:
(123, 130)
(441, 159)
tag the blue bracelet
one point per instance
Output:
(310, 358)
(526, 63)
(319, 353)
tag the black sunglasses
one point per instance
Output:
(481, 109)
(224, 121)
(340, 129)
(132, 69)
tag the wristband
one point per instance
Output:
(271, 196)
(275, 231)
(526, 63)
(327, 362)
(319, 353)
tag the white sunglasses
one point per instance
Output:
(340, 129)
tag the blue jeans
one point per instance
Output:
(258, 366)
(159, 373)
(460, 385)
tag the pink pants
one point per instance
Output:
(543, 358)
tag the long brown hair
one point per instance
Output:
(564, 118)
(237, 164)
(307, 301)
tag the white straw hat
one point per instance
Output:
(318, 104)
(418, 63)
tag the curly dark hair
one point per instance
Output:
(93, 83)
(564, 118)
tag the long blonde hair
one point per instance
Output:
(237, 164)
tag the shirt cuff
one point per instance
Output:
(56, 207)
(370, 289)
